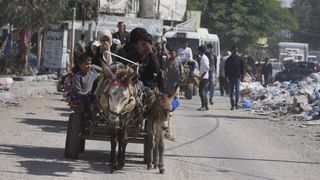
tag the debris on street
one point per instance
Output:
(292, 100)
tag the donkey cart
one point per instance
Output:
(118, 116)
(189, 80)
(81, 128)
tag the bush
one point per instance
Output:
(10, 66)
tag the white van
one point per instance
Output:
(194, 39)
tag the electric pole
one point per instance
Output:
(73, 37)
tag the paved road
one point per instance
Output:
(217, 144)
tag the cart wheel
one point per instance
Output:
(73, 139)
(145, 149)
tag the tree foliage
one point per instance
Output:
(40, 13)
(242, 22)
(307, 13)
(32, 13)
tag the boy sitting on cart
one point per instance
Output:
(82, 82)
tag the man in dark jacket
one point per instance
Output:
(234, 71)
(122, 34)
(266, 72)
(139, 49)
(129, 50)
(150, 73)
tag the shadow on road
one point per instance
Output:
(46, 168)
(61, 109)
(67, 114)
(48, 161)
(64, 111)
(47, 125)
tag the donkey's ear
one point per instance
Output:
(133, 75)
(172, 94)
(126, 67)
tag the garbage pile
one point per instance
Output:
(298, 99)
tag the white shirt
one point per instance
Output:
(204, 67)
(185, 54)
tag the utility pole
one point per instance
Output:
(40, 38)
(158, 10)
(73, 37)
(97, 18)
(11, 23)
(83, 13)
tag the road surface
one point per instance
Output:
(215, 145)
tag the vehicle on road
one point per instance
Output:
(313, 58)
(276, 68)
(189, 80)
(194, 38)
(291, 52)
(297, 71)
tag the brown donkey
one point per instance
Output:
(160, 107)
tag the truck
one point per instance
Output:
(290, 52)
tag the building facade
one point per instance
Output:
(170, 10)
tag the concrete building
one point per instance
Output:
(170, 10)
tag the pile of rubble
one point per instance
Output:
(298, 99)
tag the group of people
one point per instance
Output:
(159, 66)
(136, 46)
(235, 68)
(97, 58)
(231, 73)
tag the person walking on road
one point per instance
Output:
(173, 70)
(224, 88)
(234, 72)
(204, 78)
(212, 71)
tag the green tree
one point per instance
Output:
(243, 22)
(307, 13)
(27, 16)
(41, 13)
(34, 15)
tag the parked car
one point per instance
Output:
(297, 71)
(276, 68)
